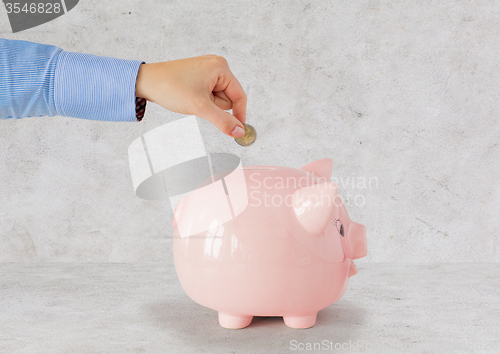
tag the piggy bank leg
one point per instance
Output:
(234, 321)
(300, 321)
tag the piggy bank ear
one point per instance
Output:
(321, 168)
(314, 206)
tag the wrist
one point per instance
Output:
(142, 82)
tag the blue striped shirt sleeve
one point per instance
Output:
(27, 79)
(43, 80)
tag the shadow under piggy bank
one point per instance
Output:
(193, 326)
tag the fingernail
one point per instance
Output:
(238, 132)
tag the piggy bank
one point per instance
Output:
(289, 253)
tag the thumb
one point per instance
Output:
(224, 121)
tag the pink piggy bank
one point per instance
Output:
(289, 253)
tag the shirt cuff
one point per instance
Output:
(93, 87)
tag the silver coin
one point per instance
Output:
(249, 137)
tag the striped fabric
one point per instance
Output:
(27, 79)
(42, 80)
(140, 107)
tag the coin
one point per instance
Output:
(249, 137)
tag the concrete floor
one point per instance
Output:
(141, 308)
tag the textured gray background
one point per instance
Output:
(402, 91)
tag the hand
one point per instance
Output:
(203, 86)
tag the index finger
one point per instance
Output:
(238, 97)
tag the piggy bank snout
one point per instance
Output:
(357, 241)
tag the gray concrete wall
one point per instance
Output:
(405, 93)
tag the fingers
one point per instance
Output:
(225, 122)
(204, 86)
(222, 101)
(238, 97)
(232, 89)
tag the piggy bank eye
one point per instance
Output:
(340, 227)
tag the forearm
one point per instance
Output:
(42, 80)
(93, 87)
